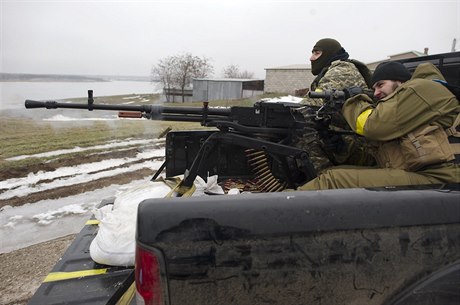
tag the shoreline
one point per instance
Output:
(31, 77)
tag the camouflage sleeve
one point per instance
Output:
(340, 75)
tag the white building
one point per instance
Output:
(207, 89)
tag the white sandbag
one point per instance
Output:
(114, 243)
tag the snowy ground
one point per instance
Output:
(44, 220)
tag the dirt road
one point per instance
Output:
(23, 271)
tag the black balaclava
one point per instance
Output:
(330, 48)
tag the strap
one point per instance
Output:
(364, 71)
(181, 191)
(416, 143)
(452, 131)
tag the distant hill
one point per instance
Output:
(22, 77)
(125, 78)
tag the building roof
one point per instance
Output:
(228, 79)
(408, 54)
(416, 53)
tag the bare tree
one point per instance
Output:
(246, 74)
(188, 67)
(164, 71)
(177, 72)
(233, 71)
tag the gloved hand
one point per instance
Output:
(352, 91)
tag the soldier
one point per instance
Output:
(414, 127)
(334, 70)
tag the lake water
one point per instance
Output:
(13, 94)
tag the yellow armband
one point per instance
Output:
(362, 118)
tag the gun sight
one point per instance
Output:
(328, 94)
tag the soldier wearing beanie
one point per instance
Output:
(413, 126)
(334, 70)
(395, 72)
(391, 70)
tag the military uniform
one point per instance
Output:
(327, 149)
(419, 104)
(339, 75)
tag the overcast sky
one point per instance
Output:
(129, 37)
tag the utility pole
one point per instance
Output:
(454, 42)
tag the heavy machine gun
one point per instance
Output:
(264, 118)
(263, 133)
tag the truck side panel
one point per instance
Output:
(330, 247)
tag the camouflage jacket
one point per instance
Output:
(328, 149)
(340, 75)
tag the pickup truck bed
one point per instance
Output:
(354, 246)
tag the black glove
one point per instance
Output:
(352, 91)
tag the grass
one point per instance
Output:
(21, 136)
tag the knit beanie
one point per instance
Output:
(330, 47)
(390, 71)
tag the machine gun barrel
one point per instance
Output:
(142, 108)
(55, 105)
(270, 119)
(158, 112)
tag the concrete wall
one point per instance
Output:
(287, 80)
